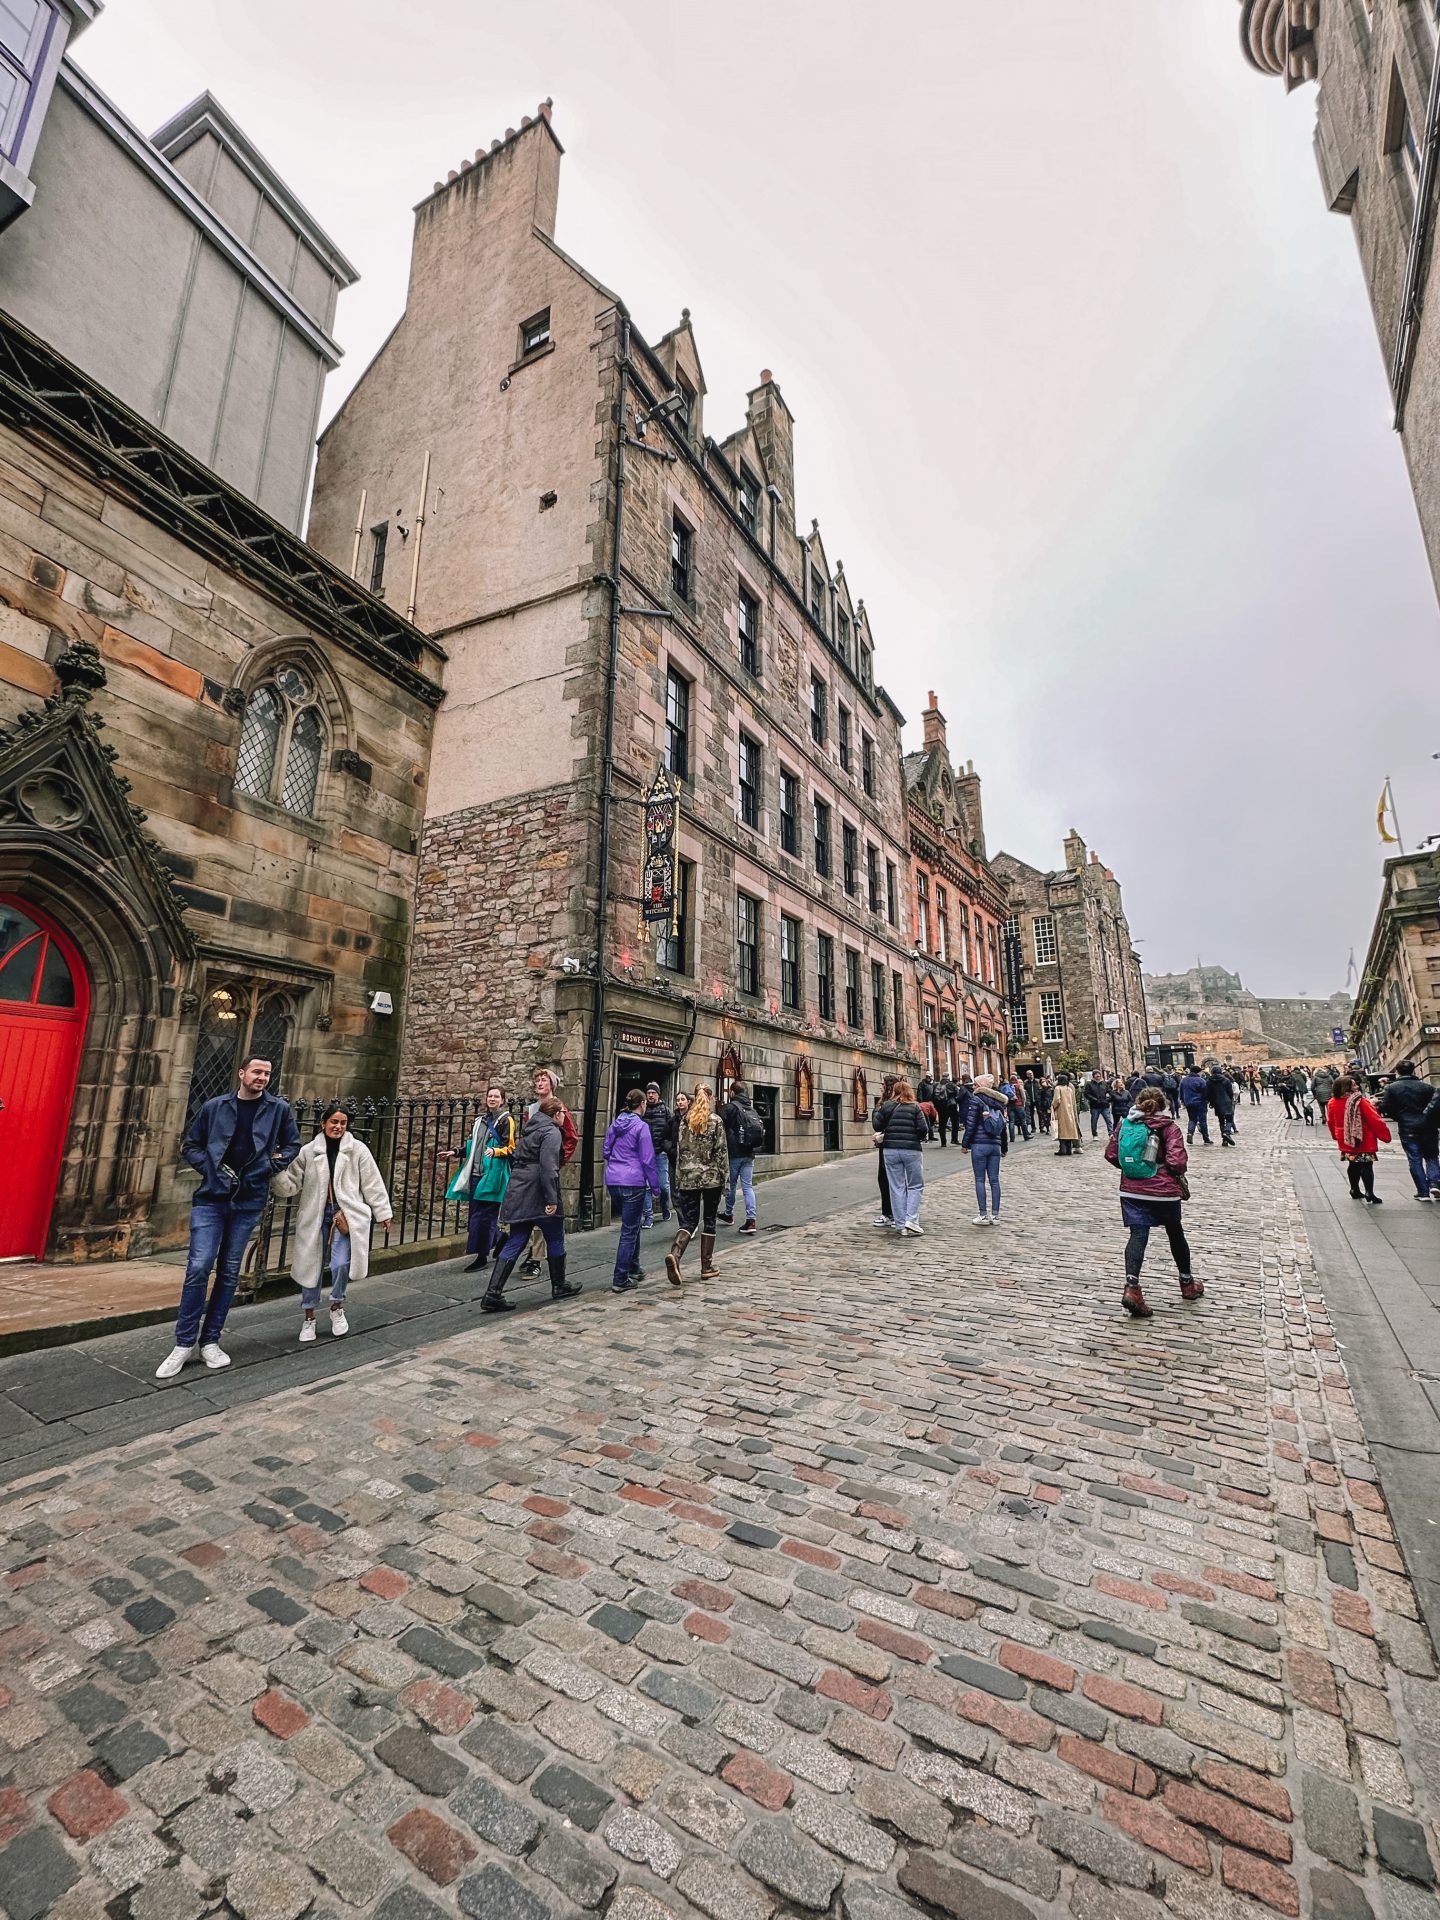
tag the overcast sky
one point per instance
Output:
(1087, 392)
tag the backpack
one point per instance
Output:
(992, 1126)
(1139, 1149)
(750, 1128)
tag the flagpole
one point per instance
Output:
(1390, 795)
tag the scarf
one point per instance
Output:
(1352, 1127)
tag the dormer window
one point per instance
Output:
(817, 596)
(842, 634)
(685, 412)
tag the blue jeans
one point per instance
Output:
(552, 1225)
(662, 1167)
(985, 1165)
(629, 1203)
(743, 1172)
(219, 1234)
(906, 1168)
(1197, 1117)
(1097, 1114)
(339, 1265)
(1424, 1167)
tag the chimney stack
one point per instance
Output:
(1074, 852)
(934, 723)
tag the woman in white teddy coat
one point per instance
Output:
(342, 1195)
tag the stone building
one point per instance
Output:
(213, 754)
(1375, 145)
(179, 272)
(958, 911)
(1397, 1006)
(620, 589)
(1210, 1001)
(1079, 984)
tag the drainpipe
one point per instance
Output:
(419, 538)
(359, 535)
(596, 1042)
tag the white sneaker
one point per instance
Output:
(982, 1220)
(338, 1323)
(213, 1356)
(920, 1231)
(173, 1362)
(307, 1332)
(882, 1221)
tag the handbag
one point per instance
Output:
(459, 1187)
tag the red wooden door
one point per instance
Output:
(44, 999)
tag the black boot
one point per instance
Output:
(560, 1287)
(494, 1300)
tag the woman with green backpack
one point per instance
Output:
(1149, 1150)
(484, 1175)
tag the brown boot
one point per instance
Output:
(708, 1269)
(675, 1256)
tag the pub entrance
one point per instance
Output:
(631, 1073)
(640, 1056)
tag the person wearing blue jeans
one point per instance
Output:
(1424, 1165)
(658, 1117)
(744, 1136)
(742, 1175)
(901, 1130)
(1197, 1118)
(986, 1140)
(237, 1143)
(632, 1174)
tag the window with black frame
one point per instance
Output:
(791, 935)
(672, 950)
(822, 838)
(877, 998)
(850, 858)
(749, 760)
(825, 974)
(789, 813)
(282, 738)
(747, 943)
(853, 1014)
(749, 626)
(677, 724)
(680, 545)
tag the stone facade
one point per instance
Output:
(1185, 1005)
(1397, 1007)
(572, 502)
(1079, 972)
(959, 912)
(1374, 60)
(148, 618)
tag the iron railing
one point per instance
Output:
(414, 1143)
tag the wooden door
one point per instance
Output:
(44, 1000)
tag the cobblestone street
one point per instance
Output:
(872, 1578)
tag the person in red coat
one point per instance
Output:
(1358, 1131)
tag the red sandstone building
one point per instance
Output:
(959, 913)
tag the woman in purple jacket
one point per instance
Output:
(1153, 1200)
(631, 1170)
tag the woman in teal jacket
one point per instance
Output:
(484, 1177)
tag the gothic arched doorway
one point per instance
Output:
(44, 1001)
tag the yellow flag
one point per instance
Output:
(1380, 812)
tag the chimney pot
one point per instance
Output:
(545, 106)
(451, 175)
(933, 700)
(765, 376)
(495, 144)
(525, 121)
(509, 133)
(466, 165)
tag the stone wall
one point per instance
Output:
(316, 907)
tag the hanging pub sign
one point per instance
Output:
(659, 892)
(859, 1096)
(804, 1090)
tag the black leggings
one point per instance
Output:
(689, 1202)
(1362, 1174)
(1135, 1249)
(884, 1186)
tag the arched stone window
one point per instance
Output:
(239, 1019)
(282, 741)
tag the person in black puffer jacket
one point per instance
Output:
(900, 1129)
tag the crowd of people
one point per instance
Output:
(694, 1160)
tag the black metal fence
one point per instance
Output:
(416, 1144)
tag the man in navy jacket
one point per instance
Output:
(237, 1143)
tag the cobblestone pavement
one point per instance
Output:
(873, 1578)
